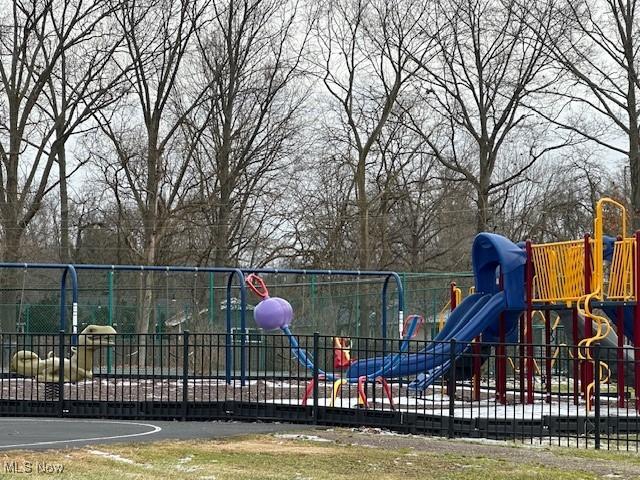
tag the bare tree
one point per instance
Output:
(598, 46)
(488, 63)
(365, 67)
(325, 217)
(84, 81)
(427, 221)
(35, 36)
(557, 199)
(251, 56)
(158, 36)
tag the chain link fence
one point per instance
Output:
(330, 304)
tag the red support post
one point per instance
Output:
(620, 356)
(501, 364)
(529, 319)
(387, 390)
(453, 303)
(309, 390)
(475, 387)
(547, 354)
(587, 371)
(453, 296)
(501, 356)
(576, 362)
(636, 323)
(362, 391)
(521, 353)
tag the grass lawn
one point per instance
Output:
(333, 454)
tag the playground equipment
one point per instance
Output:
(79, 367)
(273, 312)
(594, 281)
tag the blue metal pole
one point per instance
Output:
(243, 328)
(212, 302)
(229, 360)
(228, 349)
(400, 289)
(110, 319)
(55, 266)
(69, 269)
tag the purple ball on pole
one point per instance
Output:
(288, 312)
(273, 313)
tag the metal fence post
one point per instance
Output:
(185, 372)
(451, 387)
(316, 377)
(212, 302)
(61, 375)
(110, 308)
(596, 394)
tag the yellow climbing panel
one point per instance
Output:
(621, 277)
(558, 271)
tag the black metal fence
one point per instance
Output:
(548, 394)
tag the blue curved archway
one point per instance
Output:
(491, 251)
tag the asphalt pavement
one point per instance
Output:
(56, 433)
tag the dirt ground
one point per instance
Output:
(565, 458)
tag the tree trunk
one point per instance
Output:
(363, 243)
(482, 191)
(221, 258)
(65, 252)
(13, 235)
(223, 155)
(363, 214)
(11, 294)
(150, 220)
(482, 203)
(634, 168)
(634, 152)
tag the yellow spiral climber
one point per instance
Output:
(621, 273)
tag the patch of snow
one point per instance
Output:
(486, 408)
(127, 383)
(112, 456)
(183, 468)
(296, 436)
(377, 431)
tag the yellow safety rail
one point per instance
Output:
(442, 316)
(540, 315)
(559, 271)
(517, 369)
(598, 245)
(621, 278)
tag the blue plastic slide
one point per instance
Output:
(481, 312)
(494, 257)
